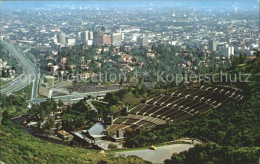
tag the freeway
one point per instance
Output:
(31, 73)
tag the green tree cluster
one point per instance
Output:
(78, 116)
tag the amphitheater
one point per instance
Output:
(176, 105)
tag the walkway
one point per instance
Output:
(162, 153)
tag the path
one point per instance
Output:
(162, 153)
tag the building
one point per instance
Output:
(84, 36)
(116, 38)
(55, 29)
(89, 42)
(213, 45)
(227, 51)
(71, 41)
(95, 133)
(102, 39)
(79, 35)
(90, 35)
(142, 40)
(73, 67)
(98, 39)
(63, 61)
(61, 37)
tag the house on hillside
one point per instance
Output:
(126, 59)
(73, 67)
(84, 66)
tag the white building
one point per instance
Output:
(71, 41)
(227, 51)
(116, 38)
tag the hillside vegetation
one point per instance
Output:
(19, 147)
(231, 133)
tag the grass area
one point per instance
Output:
(55, 81)
(131, 99)
(29, 56)
(26, 92)
(3, 82)
(19, 147)
(99, 105)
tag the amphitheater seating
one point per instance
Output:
(171, 100)
(116, 127)
(137, 108)
(162, 99)
(145, 109)
(154, 100)
(152, 110)
(176, 105)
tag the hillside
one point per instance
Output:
(19, 147)
(230, 133)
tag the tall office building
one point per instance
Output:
(227, 51)
(79, 35)
(116, 38)
(61, 37)
(213, 45)
(106, 39)
(90, 35)
(122, 36)
(142, 40)
(101, 39)
(84, 36)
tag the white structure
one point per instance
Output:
(90, 35)
(71, 41)
(90, 42)
(116, 38)
(227, 51)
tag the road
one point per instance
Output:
(31, 73)
(161, 154)
(73, 97)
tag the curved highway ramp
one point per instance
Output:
(30, 74)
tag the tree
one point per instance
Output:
(112, 146)
(60, 103)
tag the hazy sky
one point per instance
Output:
(209, 4)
